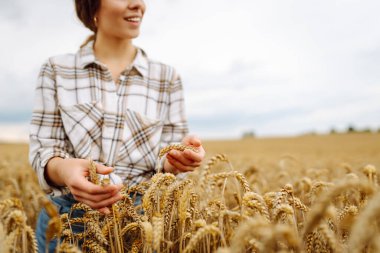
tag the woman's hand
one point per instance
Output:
(187, 160)
(73, 172)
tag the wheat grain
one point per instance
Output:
(54, 229)
(179, 147)
(31, 238)
(347, 216)
(317, 213)
(147, 233)
(158, 227)
(242, 180)
(363, 229)
(253, 201)
(93, 176)
(199, 235)
(92, 246)
(205, 171)
(94, 231)
(136, 246)
(370, 171)
(67, 248)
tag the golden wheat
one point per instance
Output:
(286, 205)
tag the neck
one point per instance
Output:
(111, 50)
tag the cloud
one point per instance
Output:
(11, 10)
(278, 67)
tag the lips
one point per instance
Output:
(135, 19)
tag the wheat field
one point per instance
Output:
(315, 193)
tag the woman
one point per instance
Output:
(110, 103)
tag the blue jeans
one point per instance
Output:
(63, 204)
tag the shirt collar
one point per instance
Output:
(86, 57)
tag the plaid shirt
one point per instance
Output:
(79, 112)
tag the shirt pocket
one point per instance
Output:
(140, 144)
(83, 126)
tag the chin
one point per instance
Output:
(129, 36)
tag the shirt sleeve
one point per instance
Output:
(175, 125)
(47, 136)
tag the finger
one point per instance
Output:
(195, 141)
(110, 201)
(102, 169)
(84, 201)
(104, 210)
(82, 184)
(194, 156)
(192, 140)
(93, 197)
(101, 204)
(183, 160)
(179, 166)
(178, 155)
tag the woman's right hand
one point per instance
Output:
(72, 173)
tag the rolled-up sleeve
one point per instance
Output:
(47, 136)
(175, 125)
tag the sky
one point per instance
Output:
(274, 67)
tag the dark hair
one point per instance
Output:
(86, 11)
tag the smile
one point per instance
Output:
(133, 19)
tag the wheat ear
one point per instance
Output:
(363, 229)
(317, 213)
(199, 235)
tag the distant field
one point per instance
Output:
(315, 150)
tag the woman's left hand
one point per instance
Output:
(187, 160)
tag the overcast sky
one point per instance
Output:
(279, 67)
